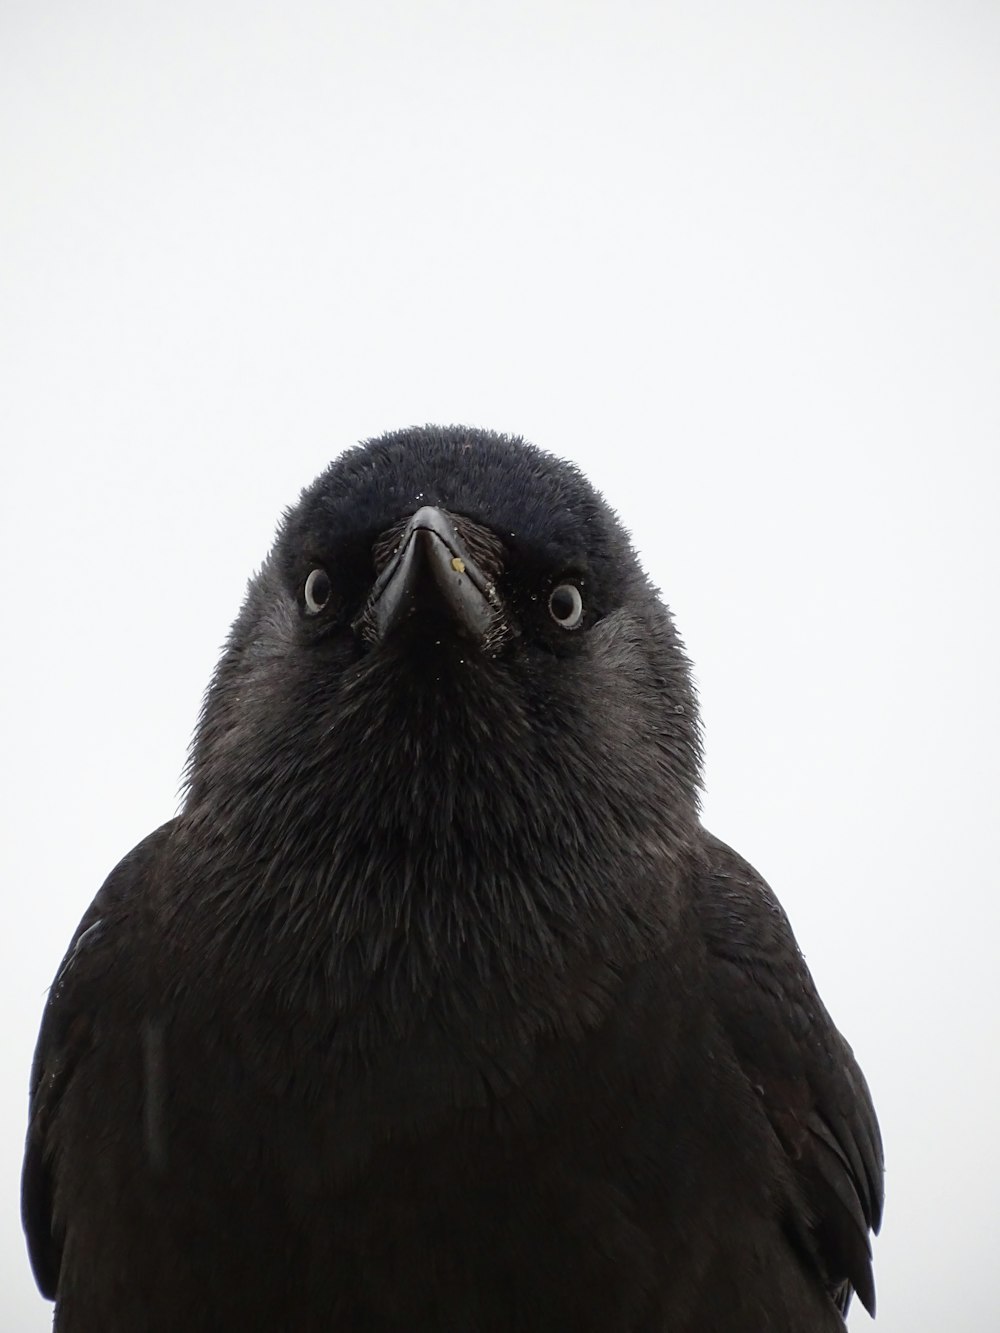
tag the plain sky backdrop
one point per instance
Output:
(740, 261)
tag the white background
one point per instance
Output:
(740, 261)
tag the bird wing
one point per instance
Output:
(812, 1089)
(67, 1033)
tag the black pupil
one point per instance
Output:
(563, 603)
(319, 587)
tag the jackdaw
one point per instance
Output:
(436, 1008)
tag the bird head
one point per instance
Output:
(450, 665)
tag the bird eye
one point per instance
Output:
(317, 591)
(566, 605)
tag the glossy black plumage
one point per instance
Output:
(436, 1008)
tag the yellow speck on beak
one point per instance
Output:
(458, 564)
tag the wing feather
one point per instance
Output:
(66, 1036)
(813, 1091)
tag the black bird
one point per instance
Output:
(435, 1008)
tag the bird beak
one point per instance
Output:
(432, 570)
